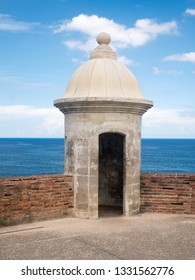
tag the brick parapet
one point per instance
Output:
(168, 193)
(35, 198)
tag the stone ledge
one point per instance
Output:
(103, 105)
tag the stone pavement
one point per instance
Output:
(143, 236)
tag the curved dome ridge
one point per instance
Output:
(103, 76)
(98, 80)
(132, 82)
(117, 69)
(105, 79)
(90, 83)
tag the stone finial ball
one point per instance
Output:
(103, 38)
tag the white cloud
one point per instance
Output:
(28, 121)
(7, 23)
(169, 123)
(125, 60)
(144, 30)
(188, 57)
(190, 12)
(77, 61)
(19, 82)
(157, 71)
(81, 45)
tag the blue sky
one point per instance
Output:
(43, 42)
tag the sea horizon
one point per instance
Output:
(38, 156)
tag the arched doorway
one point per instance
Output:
(111, 174)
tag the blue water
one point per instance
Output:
(168, 155)
(22, 157)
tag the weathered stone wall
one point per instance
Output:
(82, 132)
(34, 198)
(168, 193)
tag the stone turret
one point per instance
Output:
(103, 105)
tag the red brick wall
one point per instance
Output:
(34, 198)
(168, 193)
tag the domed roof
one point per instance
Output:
(103, 76)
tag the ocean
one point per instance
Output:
(31, 156)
